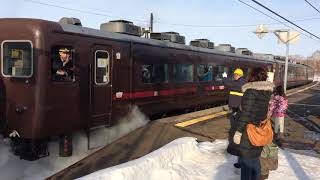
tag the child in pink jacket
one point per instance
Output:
(278, 107)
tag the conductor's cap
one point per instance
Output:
(65, 50)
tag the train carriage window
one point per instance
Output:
(230, 72)
(154, 73)
(17, 58)
(204, 72)
(183, 72)
(270, 73)
(62, 67)
(222, 72)
(102, 67)
(246, 71)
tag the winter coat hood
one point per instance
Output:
(258, 85)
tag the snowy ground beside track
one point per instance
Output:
(185, 158)
(14, 168)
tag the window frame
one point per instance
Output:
(193, 73)
(209, 65)
(95, 67)
(216, 72)
(2, 49)
(166, 73)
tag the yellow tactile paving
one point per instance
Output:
(200, 119)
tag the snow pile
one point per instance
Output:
(185, 158)
(12, 167)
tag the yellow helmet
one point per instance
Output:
(239, 72)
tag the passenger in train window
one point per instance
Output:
(204, 73)
(234, 86)
(146, 73)
(63, 67)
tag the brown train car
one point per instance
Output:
(111, 72)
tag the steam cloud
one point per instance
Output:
(13, 168)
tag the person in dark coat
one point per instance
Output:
(62, 67)
(254, 109)
(235, 96)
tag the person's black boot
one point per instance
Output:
(237, 165)
(237, 168)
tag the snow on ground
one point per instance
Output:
(185, 158)
(13, 168)
(316, 78)
(312, 135)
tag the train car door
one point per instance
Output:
(101, 86)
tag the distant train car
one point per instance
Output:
(57, 78)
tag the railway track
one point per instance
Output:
(300, 110)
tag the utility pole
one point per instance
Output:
(151, 23)
(286, 65)
(147, 32)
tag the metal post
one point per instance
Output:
(151, 23)
(286, 65)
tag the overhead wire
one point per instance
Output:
(232, 26)
(173, 24)
(312, 5)
(82, 11)
(276, 19)
(286, 19)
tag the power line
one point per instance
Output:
(285, 19)
(173, 24)
(82, 11)
(266, 14)
(312, 6)
(232, 26)
(276, 20)
(272, 18)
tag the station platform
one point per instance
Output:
(301, 130)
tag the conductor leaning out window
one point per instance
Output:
(62, 66)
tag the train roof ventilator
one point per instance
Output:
(123, 27)
(269, 57)
(205, 43)
(169, 36)
(72, 21)
(225, 48)
(243, 51)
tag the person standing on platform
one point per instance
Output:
(278, 107)
(254, 109)
(235, 95)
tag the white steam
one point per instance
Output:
(14, 168)
(103, 136)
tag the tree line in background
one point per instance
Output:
(313, 61)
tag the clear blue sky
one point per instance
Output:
(173, 15)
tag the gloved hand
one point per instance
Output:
(237, 137)
(224, 75)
